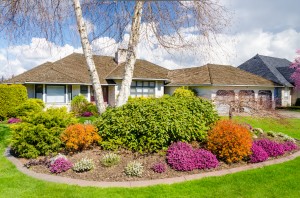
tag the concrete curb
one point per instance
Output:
(128, 184)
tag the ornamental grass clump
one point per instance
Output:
(83, 165)
(258, 154)
(134, 169)
(273, 148)
(204, 159)
(230, 141)
(110, 159)
(159, 167)
(60, 165)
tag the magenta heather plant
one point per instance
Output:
(204, 159)
(289, 146)
(258, 154)
(87, 114)
(159, 167)
(14, 120)
(273, 149)
(182, 157)
(60, 165)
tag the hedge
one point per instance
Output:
(11, 96)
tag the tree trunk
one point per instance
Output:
(89, 57)
(131, 54)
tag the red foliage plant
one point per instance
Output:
(80, 136)
(230, 141)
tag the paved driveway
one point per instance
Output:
(289, 114)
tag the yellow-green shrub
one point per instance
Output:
(10, 97)
(183, 92)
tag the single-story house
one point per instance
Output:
(277, 70)
(58, 82)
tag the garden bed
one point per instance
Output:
(116, 173)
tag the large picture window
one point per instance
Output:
(142, 88)
(39, 91)
(55, 94)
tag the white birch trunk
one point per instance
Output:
(87, 50)
(131, 54)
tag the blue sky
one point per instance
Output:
(267, 27)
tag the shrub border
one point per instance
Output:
(129, 184)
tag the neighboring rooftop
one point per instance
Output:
(212, 74)
(275, 69)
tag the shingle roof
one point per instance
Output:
(271, 68)
(72, 69)
(212, 74)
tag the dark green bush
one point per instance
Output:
(10, 97)
(30, 106)
(148, 125)
(297, 102)
(31, 141)
(39, 134)
(79, 104)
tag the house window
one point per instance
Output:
(84, 90)
(142, 88)
(39, 91)
(69, 93)
(55, 93)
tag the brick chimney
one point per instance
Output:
(120, 56)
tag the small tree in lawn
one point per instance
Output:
(296, 65)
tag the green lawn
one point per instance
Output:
(83, 119)
(272, 181)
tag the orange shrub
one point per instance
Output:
(230, 141)
(80, 136)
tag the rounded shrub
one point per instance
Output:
(83, 165)
(159, 167)
(204, 159)
(258, 154)
(60, 165)
(31, 105)
(110, 159)
(230, 141)
(273, 148)
(289, 146)
(79, 104)
(149, 125)
(80, 136)
(183, 92)
(134, 169)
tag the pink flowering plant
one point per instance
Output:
(159, 167)
(87, 114)
(296, 65)
(182, 157)
(273, 148)
(60, 165)
(14, 120)
(289, 146)
(258, 154)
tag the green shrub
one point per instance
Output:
(110, 159)
(83, 165)
(134, 169)
(31, 141)
(79, 104)
(183, 92)
(52, 117)
(152, 124)
(30, 106)
(92, 108)
(10, 97)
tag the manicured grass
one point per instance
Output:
(273, 181)
(83, 119)
(290, 127)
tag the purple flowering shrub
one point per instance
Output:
(159, 167)
(273, 149)
(289, 146)
(60, 165)
(204, 159)
(87, 114)
(258, 154)
(182, 157)
(14, 120)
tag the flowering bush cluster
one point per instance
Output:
(60, 165)
(265, 148)
(80, 136)
(273, 148)
(181, 156)
(87, 114)
(159, 167)
(14, 120)
(230, 141)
